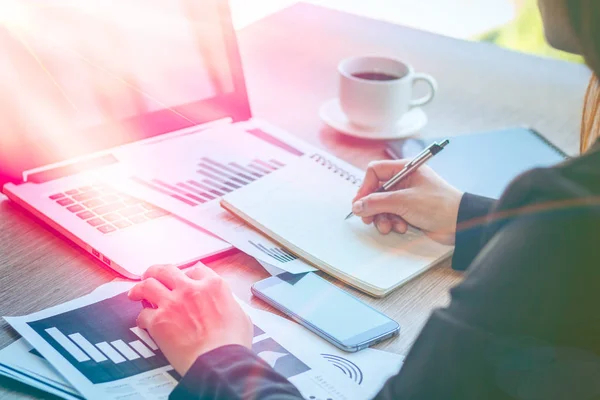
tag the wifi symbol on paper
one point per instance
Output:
(347, 367)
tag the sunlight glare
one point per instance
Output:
(72, 70)
(13, 14)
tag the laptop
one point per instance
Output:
(94, 91)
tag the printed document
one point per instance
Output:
(210, 164)
(95, 344)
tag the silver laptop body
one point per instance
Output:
(91, 85)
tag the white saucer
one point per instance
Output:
(331, 113)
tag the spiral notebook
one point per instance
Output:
(303, 205)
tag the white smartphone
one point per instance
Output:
(330, 312)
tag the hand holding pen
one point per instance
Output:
(421, 199)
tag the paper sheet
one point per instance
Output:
(210, 164)
(240, 235)
(308, 361)
(94, 380)
(369, 368)
(274, 271)
(280, 202)
(21, 362)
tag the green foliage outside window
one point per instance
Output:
(526, 34)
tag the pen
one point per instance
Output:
(412, 166)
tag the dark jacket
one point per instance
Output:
(524, 323)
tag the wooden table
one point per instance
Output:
(290, 61)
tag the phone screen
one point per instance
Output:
(325, 307)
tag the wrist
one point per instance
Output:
(215, 352)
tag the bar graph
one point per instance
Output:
(141, 349)
(86, 346)
(114, 355)
(277, 253)
(102, 340)
(212, 179)
(83, 350)
(125, 350)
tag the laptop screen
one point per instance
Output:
(79, 76)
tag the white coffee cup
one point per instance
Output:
(382, 92)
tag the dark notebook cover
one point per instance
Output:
(484, 163)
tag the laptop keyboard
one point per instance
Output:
(106, 209)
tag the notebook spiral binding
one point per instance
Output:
(548, 142)
(336, 169)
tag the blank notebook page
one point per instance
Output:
(303, 206)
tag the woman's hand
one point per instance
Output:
(423, 200)
(195, 313)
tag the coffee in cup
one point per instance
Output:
(375, 92)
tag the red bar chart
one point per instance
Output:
(212, 179)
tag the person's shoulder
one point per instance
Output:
(547, 220)
(574, 180)
(552, 198)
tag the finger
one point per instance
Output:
(368, 220)
(200, 272)
(377, 172)
(383, 224)
(151, 290)
(144, 319)
(382, 203)
(399, 225)
(168, 275)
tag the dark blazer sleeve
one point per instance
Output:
(523, 324)
(233, 372)
(470, 224)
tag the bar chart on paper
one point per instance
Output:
(251, 240)
(212, 179)
(278, 253)
(208, 167)
(213, 164)
(102, 340)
